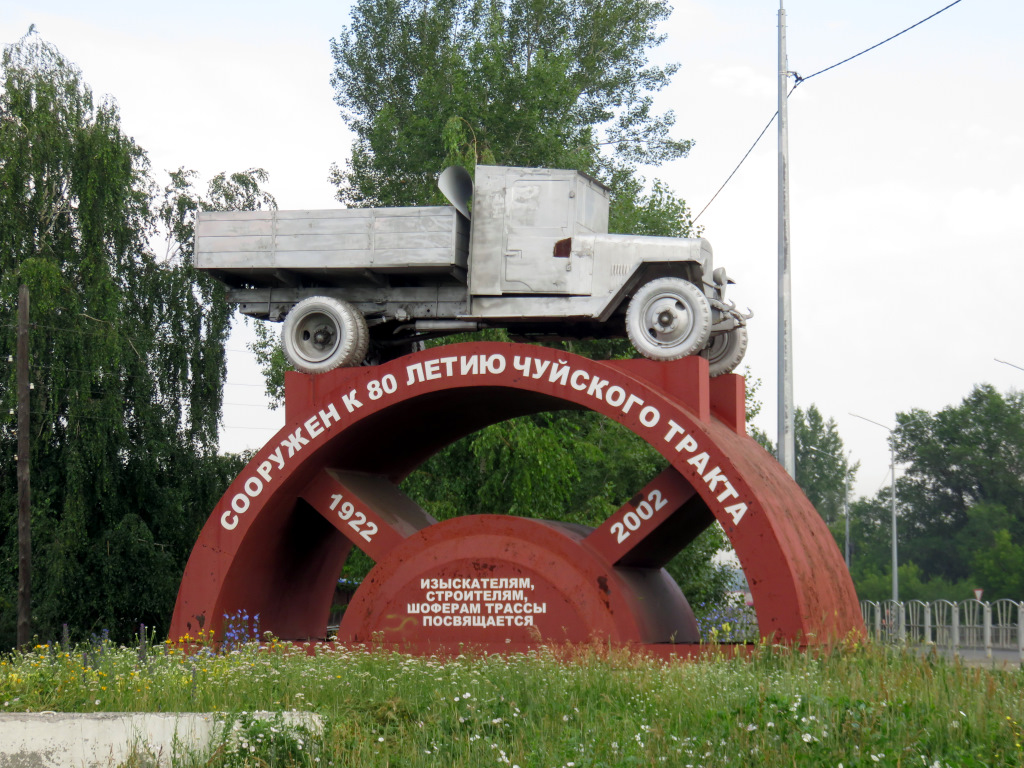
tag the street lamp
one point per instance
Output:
(892, 466)
(846, 508)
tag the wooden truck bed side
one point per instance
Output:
(285, 247)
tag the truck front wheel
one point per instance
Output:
(668, 318)
(321, 334)
(726, 350)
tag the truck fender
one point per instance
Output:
(645, 272)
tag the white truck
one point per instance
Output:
(531, 254)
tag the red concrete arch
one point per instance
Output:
(277, 540)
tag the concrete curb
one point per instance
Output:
(103, 739)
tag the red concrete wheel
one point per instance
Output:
(328, 481)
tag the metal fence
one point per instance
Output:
(966, 625)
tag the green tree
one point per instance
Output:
(960, 503)
(964, 482)
(822, 469)
(874, 584)
(997, 568)
(526, 83)
(127, 357)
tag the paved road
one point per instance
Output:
(975, 657)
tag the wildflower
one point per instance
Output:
(807, 738)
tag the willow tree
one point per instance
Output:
(127, 356)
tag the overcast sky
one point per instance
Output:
(906, 167)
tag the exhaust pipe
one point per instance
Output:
(446, 325)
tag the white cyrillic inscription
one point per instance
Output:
(476, 602)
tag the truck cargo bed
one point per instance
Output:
(269, 248)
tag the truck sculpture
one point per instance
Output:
(532, 255)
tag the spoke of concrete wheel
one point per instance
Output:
(369, 510)
(653, 526)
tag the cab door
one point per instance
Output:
(540, 212)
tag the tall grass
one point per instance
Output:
(855, 706)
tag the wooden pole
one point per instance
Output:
(24, 490)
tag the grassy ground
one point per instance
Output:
(861, 706)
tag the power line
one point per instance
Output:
(877, 45)
(800, 80)
(759, 136)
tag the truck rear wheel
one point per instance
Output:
(668, 318)
(321, 334)
(726, 350)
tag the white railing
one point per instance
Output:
(955, 626)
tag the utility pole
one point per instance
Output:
(24, 633)
(787, 446)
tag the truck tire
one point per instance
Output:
(321, 334)
(726, 350)
(668, 318)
